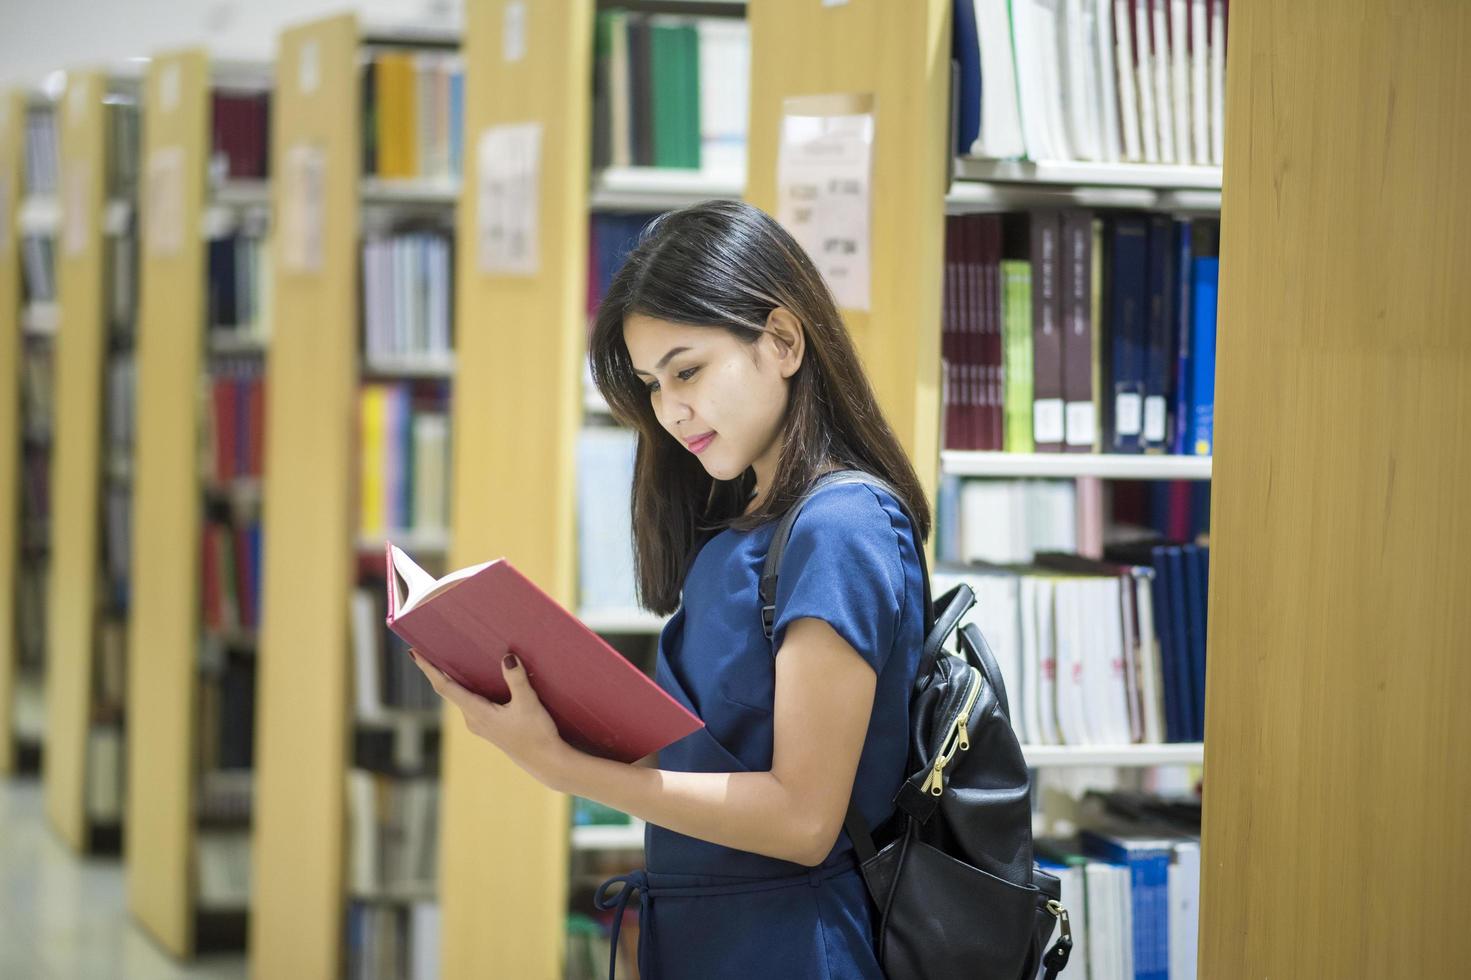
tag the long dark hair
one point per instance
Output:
(727, 265)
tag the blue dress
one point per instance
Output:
(710, 912)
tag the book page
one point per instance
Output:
(421, 585)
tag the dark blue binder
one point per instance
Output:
(1164, 629)
(966, 50)
(1180, 623)
(1195, 610)
(1128, 298)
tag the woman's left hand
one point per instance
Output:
(521, 728)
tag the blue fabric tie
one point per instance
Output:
(634, 881)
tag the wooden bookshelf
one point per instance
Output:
(81, 350)
(1339, 576)
(162, 689)
(808, 49)
(306, 714)
(12, 146)
(166, 741)
(303, 680)
(498, 825)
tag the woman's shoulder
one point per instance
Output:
(853, 509)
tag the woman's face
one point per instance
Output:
(721, 398)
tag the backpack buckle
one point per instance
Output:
(768, 619)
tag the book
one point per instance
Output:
(467, 620)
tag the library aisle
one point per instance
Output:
(63, 915)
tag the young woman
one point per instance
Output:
(721, 344)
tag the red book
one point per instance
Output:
(465, 622)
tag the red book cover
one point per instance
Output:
(257, 424)
(973, 404)
(244, 595)
(602, 704)
(224, 402)
(211, 575)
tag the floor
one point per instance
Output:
(63, 917)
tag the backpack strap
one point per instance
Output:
(858, 831)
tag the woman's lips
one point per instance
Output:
(698, 445)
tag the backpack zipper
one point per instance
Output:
(957, 738)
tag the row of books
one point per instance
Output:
(120, 287)
(1133, 898)
(234, 427)
(227, 729)
(392, 834)
(239, 290)
(413, 114)
(407, 294)
(1181, 589)
(37, 364)
(38, 268)
(404, 457)
(384, 676)
(610, 238)
(42, 151)
(103, 791)
(1007, 522)
(1138, 81)
(231, 576)
(240, 135)
(32, 583)
(124, 142)
(117, 547)
(1069, 331)
(222, 869)
(1079, 644)
(393, 941)
(670, 91)
(605, 573)
(109, 680)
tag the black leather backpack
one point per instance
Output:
(956, 893)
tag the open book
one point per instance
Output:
(467, 620)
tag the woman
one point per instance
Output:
(721, 344)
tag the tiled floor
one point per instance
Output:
(64, 917)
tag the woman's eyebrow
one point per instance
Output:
(663, 360)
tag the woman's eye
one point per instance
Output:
(687, 373)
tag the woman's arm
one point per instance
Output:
(824, 698)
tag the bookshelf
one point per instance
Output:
(189, 812)
(83, 775)
(35, 225)
(1078, 466)
(500, 825)
(12, 146)
(342, 355)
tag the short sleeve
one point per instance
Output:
(843, 565)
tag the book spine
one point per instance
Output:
(1047, 393)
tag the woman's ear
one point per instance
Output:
(790, 340)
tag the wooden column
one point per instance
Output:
(12, 153)
(163, 626)
(899, 53)
(517, 409)
(1336, 784)
(72, 595)
(302, 742)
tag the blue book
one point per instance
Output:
(1127, 287)
(1148, 860)
(1180, 627)
(1164, 628)
(1157, 356)
(1184, 315)
(1194, 561)
(966, 50)
(1203, 382)
(457, 122)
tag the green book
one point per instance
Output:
(690, 115)
(667, 84)
(1016, 335)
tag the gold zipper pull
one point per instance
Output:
(961, 732)
(935, 782)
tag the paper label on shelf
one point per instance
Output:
(1154, 418)
(1127, 412)
(513, 35)
(1047, 420)
(508, 195)
(168, 87)
(823, 182)
(304, 212)
(835, 3)
(163, 224)
(74, 224)
(308, 73)
(1082, 424)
